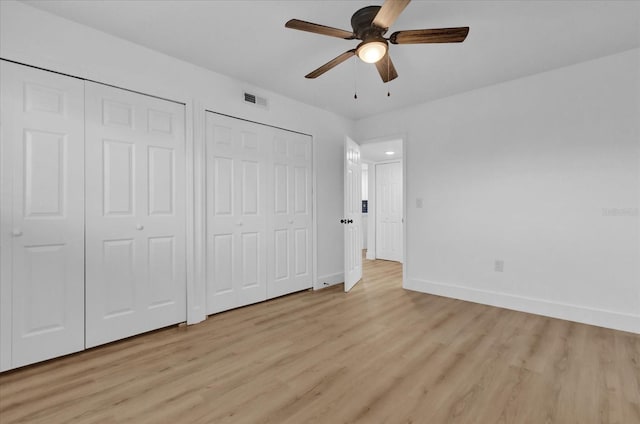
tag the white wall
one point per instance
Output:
(522, 172)
(31, 36)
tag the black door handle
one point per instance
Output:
(350, 221)
(343, 221)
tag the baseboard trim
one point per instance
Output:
(569, 312)
(329, 280)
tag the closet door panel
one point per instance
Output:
(290, 205)
(161, 181)
(42, 285)
(301, 175)
(301, 256)
(221, 213)
(259, 220)
(236, 213)
(281, 255)
(118, 178)
(135, 214)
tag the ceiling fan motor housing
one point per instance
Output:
(362, 23)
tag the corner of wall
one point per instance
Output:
(329, 280)
(581, 314)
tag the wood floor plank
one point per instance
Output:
(379, 354)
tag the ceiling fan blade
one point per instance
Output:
(386, 69)
(319, 29)
(389, 12)
(439, 35)
(332, 63)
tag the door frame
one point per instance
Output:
(371, 235)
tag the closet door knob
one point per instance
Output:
(17, 232)
(240, 223)
(291, 221)
(139, 227)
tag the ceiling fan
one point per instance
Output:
(370, 24)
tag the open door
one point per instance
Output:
(352, 214)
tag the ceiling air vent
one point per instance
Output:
(253, 99)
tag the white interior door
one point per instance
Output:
(236, 212)
(135, 214)
(352, 214)
(42, 286)
(289, 264)
(389, 211)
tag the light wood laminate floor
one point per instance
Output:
(379, 354)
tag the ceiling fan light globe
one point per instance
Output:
(372, 51)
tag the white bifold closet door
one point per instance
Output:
(42, 242)
(289, 203)
(135, 214)
(236, 213)
(259, 220)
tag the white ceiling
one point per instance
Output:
(376, 152)
(248, 40)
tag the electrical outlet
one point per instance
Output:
(498, 266)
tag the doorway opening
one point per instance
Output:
(383, 205)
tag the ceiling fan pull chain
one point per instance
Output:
(388, 73)
(355, 80)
